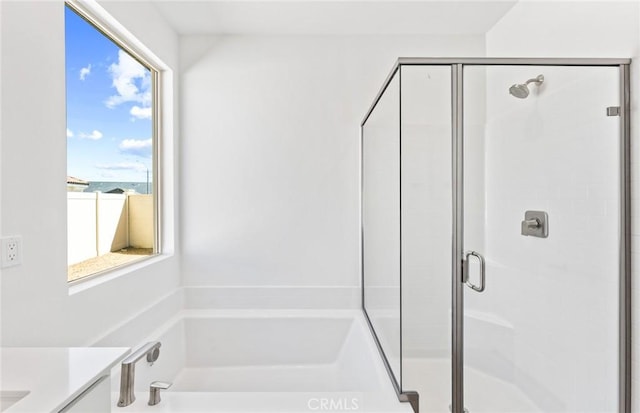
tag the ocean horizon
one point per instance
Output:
(106, 186)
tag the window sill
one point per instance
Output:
(86, 283)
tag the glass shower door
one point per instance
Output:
(542, 204)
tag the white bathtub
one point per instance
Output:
(265, 361)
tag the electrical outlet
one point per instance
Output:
(11, 251)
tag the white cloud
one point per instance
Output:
(85, 71)
(131, 80)
(138, 147)
(95, 135)
(141, 113)
(69, 133)
(122, 166)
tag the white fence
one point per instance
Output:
(98, 223)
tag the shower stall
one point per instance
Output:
(495, 234)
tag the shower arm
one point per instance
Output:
(537, 80)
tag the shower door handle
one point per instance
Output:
(465, 271)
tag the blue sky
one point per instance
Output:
(109, 126)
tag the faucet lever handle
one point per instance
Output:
(154, 391)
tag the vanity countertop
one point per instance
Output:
(53, 376)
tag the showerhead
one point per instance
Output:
(521, 91)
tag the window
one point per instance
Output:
(112, 154)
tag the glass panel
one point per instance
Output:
(426, 234)
(543, 336)
(381, 222)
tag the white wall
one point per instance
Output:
(38, 308)
(270, 152)
(565, 283)
(112, 221)
(82, 227)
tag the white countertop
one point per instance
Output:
(53, 376)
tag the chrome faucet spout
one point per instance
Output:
(128, 370)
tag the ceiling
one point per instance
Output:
(326, 17)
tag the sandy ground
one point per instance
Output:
(106, 261)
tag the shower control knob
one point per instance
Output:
(535, 224)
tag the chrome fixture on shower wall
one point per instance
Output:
(535, 224)
(521, 91)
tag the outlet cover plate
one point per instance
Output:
(11, 248)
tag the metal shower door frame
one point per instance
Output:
(457, 291)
